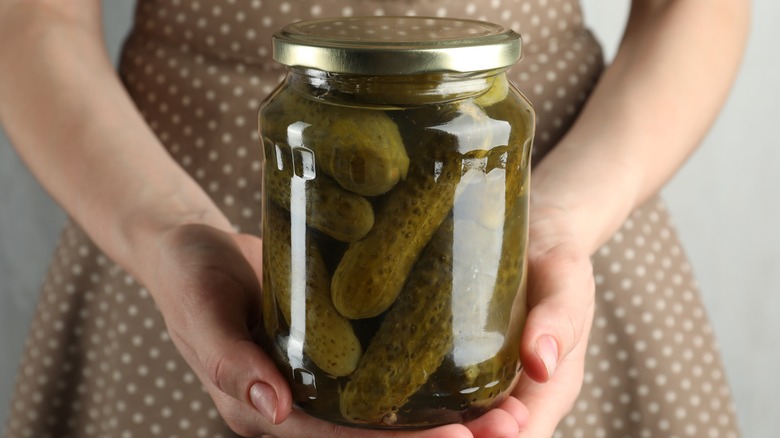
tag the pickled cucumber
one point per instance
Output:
(373, 270)
(361, 149)
(339, 213)
(445, 309)
(480, 385)
(410, 344)
(328, 338)
(510, 283)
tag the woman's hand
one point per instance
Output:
(561, 305)
(205, 282)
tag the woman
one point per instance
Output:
(142, 329)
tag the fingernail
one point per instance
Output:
(547, 350)
(264, 398)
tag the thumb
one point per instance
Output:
(242, 371)
(212, 323)
(561, 302)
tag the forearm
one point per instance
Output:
(76, 128)
(650, 110)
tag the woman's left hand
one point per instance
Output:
(561, 293)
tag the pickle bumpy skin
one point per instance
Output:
(427, 322)
(339, 213)
(329, 339)
(361, 149)
(373, 270)
(448, 300)
(411, 343)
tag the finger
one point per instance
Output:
(503, 421)
(561, 309)
(237, 365)
(243, 418)
(516, 409)
(548, 403)
(234, 364)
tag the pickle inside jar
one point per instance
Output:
(456, 141)
(361, 149)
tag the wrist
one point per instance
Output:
(594, 193)
(141, 232)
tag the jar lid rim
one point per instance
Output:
(386, 45)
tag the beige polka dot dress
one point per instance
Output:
(98, 361)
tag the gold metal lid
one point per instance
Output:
(396, 45)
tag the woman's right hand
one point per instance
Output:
(205, 283)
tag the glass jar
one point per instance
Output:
(395, 215)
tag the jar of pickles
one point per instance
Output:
(395, 218)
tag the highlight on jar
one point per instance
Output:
(395, 218)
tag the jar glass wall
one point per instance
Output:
(395, 223)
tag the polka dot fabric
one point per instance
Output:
(98, 360)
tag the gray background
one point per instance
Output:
(725, 203)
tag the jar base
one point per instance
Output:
(422, 418)
(416, 415)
